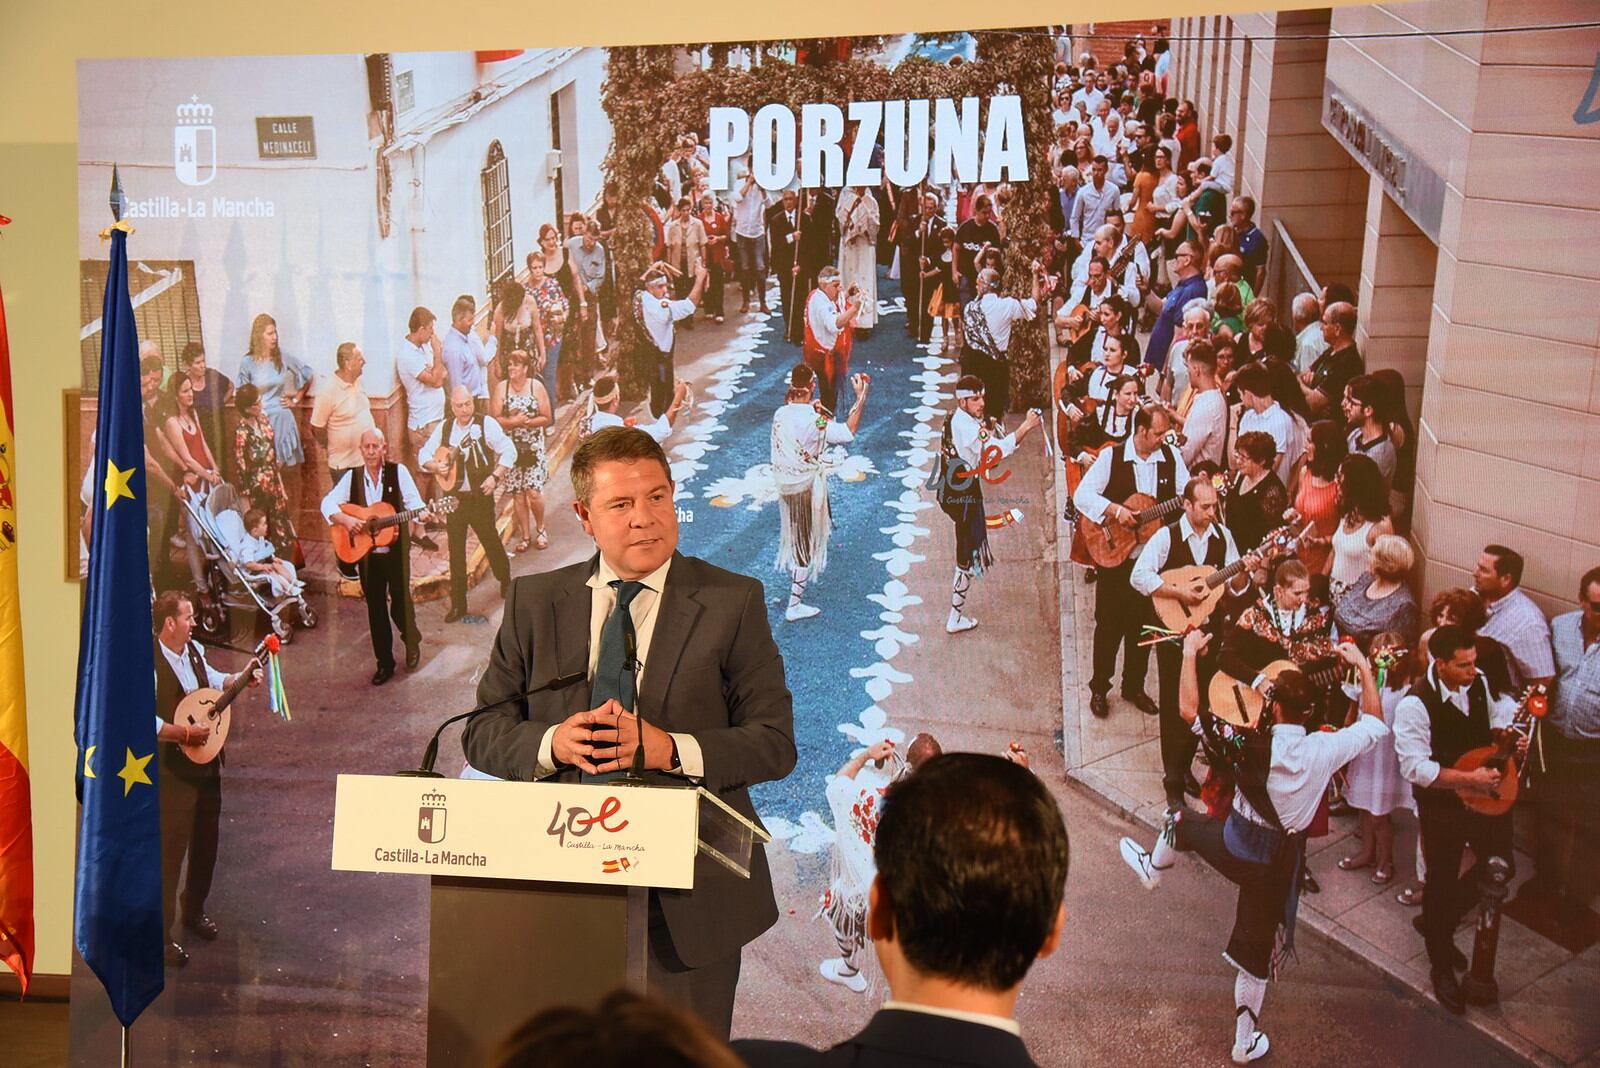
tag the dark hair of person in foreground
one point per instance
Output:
(626, 1030)
(972, 858)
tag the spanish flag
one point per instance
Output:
(16, 814)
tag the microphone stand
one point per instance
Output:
(630, 666)
(431, 753)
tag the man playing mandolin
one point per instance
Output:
(1450, 710)
(1196, 538)
(384, 571)
(191, 792)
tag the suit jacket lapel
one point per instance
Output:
(675, 618)
(570, 625)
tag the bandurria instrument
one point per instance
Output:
(1177, 616)
(206, 707)
(1502, 757)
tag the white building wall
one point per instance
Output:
(317, 263)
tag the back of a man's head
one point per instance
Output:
(972, 864)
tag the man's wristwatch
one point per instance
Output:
(672, 757)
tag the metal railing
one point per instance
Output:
(1287, 273)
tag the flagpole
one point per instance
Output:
(119, 201)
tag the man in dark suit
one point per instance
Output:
(955, 961)
(783, 219)
(709, 682)
(919, 247)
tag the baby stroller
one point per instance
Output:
(216, 521)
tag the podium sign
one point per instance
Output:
(550, 832)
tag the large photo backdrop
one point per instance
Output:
(310, 230)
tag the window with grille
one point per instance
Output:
(166, 310)
(497, 217)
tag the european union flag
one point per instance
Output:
(117, 919)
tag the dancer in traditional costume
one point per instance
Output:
(1282, 773)
(605, 400)
(831, 314)
(802, 432)
(969, 442)
(855, 797)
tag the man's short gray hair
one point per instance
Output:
(827, 274)
(1198, 306)
(989, 277)
(1305, 306)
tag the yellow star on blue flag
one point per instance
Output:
(117, 483)
(88, 768)
(133, 772)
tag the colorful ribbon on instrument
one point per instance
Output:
(1003, 519)
(1154, 635)
(277, 696)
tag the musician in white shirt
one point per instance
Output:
(1198, 538)
(1261, 845)
(1450, 710)
(1145, 464)
(191, 792)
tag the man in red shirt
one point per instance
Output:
(1188, 135)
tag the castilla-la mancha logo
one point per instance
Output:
(194, 143)
(430, 818)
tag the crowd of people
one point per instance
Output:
(1289, 469)
(1286, 466)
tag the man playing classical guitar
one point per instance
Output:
(385, 571)
(1448, 711)
(1196, 538)
(1144, 464)
(191, 793)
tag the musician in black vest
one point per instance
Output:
(1447, 712)
(486, 453)
(385, 572)
(1143, 464)
(1196, 538)
(191, 793)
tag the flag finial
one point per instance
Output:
(119, 199)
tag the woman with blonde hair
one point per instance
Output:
(1380, 601)
(281, 383)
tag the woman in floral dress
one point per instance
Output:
(521, 405)
(256, 460)
(551, 309)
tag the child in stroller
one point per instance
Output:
(230, 550)
(259, 556)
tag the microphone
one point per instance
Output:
(431, 753)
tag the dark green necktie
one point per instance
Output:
(616, 671)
